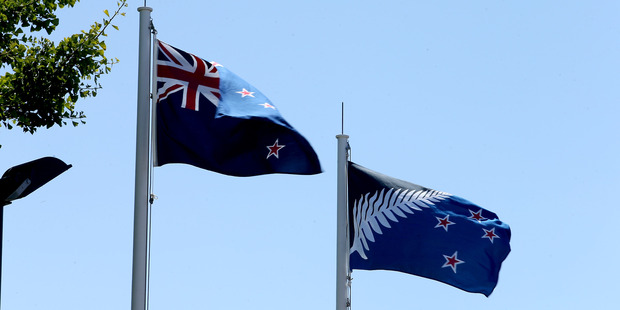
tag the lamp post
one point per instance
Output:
(21, 180)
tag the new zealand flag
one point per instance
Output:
(400, 226)
(210, 118)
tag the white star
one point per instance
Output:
(267, 105)
(245, 92)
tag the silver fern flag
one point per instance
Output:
(401, 226)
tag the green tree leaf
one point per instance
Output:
(44, 80)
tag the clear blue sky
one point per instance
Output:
(512, 105)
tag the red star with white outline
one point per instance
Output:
(245, 92)
(267, 105)
(452, 261)
(444, 222)
(274, 149)
(490, 234)
(477, 215)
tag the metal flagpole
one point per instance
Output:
(342, 244)
(139, 273)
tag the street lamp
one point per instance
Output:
(20, 181)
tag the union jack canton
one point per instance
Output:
(180, 71)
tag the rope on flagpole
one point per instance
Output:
(348, 269)
(152, 197)
(153, 98)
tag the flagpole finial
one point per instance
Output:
(342, 119)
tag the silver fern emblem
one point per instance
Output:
(369, 214)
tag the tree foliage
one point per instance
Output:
(42, 80)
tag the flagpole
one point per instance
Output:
(139, 273)
(342, 243)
